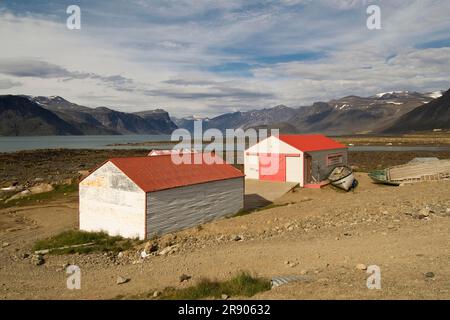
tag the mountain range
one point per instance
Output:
(348, 115)
(389, 112)
(26, 115)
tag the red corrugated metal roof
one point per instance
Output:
(160, 173)
(311, 142)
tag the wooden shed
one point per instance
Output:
(306, 159)
(146, 196)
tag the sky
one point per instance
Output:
(206, 57)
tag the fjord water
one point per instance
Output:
(13, 144)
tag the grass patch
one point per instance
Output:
(242, 285)
(102, 242)
(58, 192)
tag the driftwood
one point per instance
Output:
(45, 251)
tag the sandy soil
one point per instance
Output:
(323, 234)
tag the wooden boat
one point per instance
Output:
(412, 172)
(342, 177)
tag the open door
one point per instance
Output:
(308, 169)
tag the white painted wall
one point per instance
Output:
(251, 167)
(180, 208)
(294, 170)
(272, 145)
(111, 202)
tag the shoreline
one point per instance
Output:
(57, 165)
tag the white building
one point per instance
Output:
(306, 159)
(147, 196)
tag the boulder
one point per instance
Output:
(361, 266)
(122, 280)
(41, 188)
(20, 195)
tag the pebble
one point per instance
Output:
(156, 294)
(361, 266)
(237, 238)
(151, 247)
(184, 277)
(5, 244)
(429, 275)
(122, 280)
(224, 296)
(38, 259)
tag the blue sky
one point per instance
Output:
(209, 57)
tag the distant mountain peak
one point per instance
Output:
(70, 118)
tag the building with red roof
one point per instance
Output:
(306, 159)
(142, 197)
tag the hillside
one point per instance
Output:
(348, 115)
(24, 115)
(21, 117)
(433, 115)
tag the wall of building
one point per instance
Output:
(181, 208)
(111, 202)
(294, 169)
(251, 167)
(271, 145)
(320, 167)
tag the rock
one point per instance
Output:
(156, 294)
(41, 188)
(236, 238)
(38, 179)
(224, 296)
(151, 247)
(5, 244)
(122, 280)
(287, 262)
(429, 275)
(19, 195)
(38, 259)
(67, 181)
(425, 211)
(120, 255)
(304, 272)
(184, 277)
(83, 174)
(168, 250)
(25, 255)
(361, 266)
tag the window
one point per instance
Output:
(335, 159)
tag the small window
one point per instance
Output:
(335, 159)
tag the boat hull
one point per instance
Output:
(345, 183)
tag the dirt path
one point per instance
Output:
(323, 234)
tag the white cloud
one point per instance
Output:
(145, 54)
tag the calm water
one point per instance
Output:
(11, 144)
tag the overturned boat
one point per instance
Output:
(418, 170)
(342, 177)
